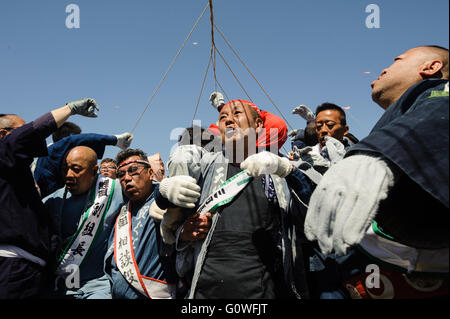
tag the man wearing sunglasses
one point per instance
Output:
(134, 263)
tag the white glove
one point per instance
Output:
(265, 162)
(297, 134)
(216, 99)
(345, 202)
(172, 219)
(334, 149)
(124, 140)
(304, 112)
(156, 212)
(180, 190)
(85, 107)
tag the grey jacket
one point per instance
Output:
(210, 171)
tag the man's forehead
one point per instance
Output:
(76, 158)
(130, 160)
(328, 114)
(233, 105)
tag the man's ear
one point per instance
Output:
(150, 173)
(431, 69)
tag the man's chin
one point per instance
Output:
(74, 190)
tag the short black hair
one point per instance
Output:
(310, 137)
(67, 129)
(123, 155)
(330, 106)
(190, 136)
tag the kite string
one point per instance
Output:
(171, 65)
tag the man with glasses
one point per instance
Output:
(26, 246)
(84, 212)
(108, 167)
(135, 262)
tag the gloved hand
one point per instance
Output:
(156, 212)
(124, 140)
(345, 202)
(304, 112)
(334, 149)
(180, 190)
(216, 99)
(265, 162)
(297, 134)
(85, 107)
(172, 219)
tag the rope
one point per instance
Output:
(201, 90)
(170, 67)
(240, 84)
(267, 95)
(213, 43)
(222, 90)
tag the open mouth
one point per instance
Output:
(70, 184)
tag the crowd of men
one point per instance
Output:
(229, 216)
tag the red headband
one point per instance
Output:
(133, 161)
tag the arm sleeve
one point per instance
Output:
(48, 168)
(300, 184)
(26, 142)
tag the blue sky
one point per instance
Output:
(302, 52)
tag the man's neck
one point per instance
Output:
(236, 155)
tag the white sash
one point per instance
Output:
(225, 193)
(93, 218)
(127, 265)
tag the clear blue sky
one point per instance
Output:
(302, 52)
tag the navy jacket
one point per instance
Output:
(23, 221)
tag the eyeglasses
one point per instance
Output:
(131, 170)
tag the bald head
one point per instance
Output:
(85, 153)
(409, 68)
(80, 169)
(8, 122)
(438, 53)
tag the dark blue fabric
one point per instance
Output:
(147, 243)
(23, 220)
(413, 134)
(48, 168)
